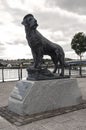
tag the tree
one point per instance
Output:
(78, 44)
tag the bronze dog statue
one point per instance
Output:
(41, 46)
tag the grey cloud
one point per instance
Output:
(78, 6)
(55, 22)
(17, 42)
(52, 21)
(1, 23)
(49, 20)
(67, 47)
(57, 38)
(17, 14)
(1, 44)
(2, 48)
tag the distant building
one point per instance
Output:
(2, 64)
(9, 65)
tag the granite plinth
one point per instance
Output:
(30, 97)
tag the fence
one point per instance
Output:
(77, 71)
(12, 73)
(17, 73)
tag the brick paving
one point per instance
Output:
(70, 121)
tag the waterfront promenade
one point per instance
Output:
(71, 121)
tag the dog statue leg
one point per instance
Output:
(55, 61)
(62, 66)
(37, 56)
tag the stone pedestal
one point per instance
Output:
(29, 97)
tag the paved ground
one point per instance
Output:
(71, 121)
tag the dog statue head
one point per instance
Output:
(30, 21)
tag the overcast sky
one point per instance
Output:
(58, 20)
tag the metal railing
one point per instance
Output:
(19, 73)
(6, 73)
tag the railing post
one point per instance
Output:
(21, 72)
(18, 73)
(69, 70)
(2, 74)
(80, 71)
